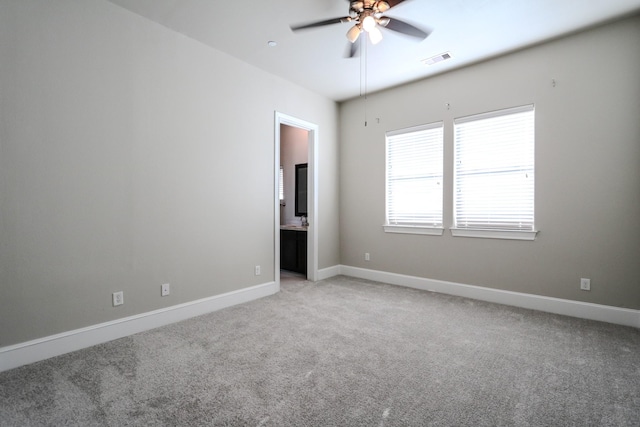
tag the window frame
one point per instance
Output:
(494, 233)
(414, 227)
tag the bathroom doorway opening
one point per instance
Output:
(292, 127)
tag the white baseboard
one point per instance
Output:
(43, 348)
(584, 310)
(326, 273)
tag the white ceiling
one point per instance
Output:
(472, 30)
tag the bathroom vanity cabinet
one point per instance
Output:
(293, 250)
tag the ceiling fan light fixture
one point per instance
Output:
(353, 33)
(368, 23)
(358, 6)
(375, 35)
(382, 6)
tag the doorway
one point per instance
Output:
(311, 131)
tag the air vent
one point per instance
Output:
(437, 58)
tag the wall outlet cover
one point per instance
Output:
(165, 290)
(118, 298)
(585, 284)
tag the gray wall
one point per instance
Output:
(587, 170)
(132, 156)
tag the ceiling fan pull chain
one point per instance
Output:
(366, 60)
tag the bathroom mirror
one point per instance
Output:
(301, 190)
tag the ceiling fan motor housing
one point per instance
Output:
(374, 7)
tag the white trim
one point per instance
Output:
(496, 113)
(494, 234)
(328, 272)
(584, 310)
(312, 231)
(413, 229)
(276, 206)
(17, 355)
(428, 126)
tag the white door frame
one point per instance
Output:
(312, 195)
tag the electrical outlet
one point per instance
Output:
(257, 270)
(164, 290)
(367, 257)
(118, 298)
(585, 284)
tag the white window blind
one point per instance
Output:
(414, 176)
(494, 170)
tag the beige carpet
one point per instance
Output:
(343, 352)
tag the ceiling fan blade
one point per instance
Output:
(320, 23)
(352, 49)
(405, 28)
(393, 3)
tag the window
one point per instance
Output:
(494, 174)
(414, 180)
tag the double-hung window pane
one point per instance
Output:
(494, 170)
(414, 176)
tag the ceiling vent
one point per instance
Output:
(437, 58)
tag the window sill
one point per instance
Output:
(494, 234)
(413, 229)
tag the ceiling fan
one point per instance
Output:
(367, 16)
